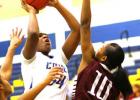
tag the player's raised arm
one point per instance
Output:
(33, 32)
(55, 73)
(73, 39)
(86, 44)
(6, 68)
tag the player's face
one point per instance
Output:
(44, 44)
(5, 87)
(100, 53)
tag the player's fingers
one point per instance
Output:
(19, 32)
(23, 2)
(56, 77)
(12, 34)
(22, 37)
(56, 69)
(56, 73)
(16, 31)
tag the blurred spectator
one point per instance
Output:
(136, 92)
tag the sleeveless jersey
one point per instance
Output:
(35, 71)
(95, 83)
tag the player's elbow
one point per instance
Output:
(85, 23)
(77, 28)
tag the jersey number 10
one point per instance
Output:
(101, 87)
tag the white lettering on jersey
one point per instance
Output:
(101, 87)
(58, 82)
(49, 65)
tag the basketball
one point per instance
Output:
(37, 4)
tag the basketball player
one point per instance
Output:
(38, 58)
(6, 72)
(6, 67)
(100, 76)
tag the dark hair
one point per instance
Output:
(121, 81)
(115, 55)
(40, 34)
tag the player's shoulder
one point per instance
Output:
(94, 65)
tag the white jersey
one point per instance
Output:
(35, 71)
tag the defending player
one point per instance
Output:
(100, 76)
(6, 67)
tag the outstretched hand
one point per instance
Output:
(52, 2)
(16, 38)
(28, 7)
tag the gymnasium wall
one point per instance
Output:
(111, 20)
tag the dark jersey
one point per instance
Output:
(95, 83)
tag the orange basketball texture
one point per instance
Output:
(37, 4)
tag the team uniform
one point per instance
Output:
(95, 83)
(36, 69)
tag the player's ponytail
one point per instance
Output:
(121, 81)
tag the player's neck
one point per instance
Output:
(47, 54)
